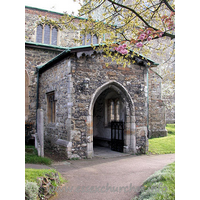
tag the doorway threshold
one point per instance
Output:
(106, 152)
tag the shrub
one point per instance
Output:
(47, 181)
(160, 185)
(31, 190)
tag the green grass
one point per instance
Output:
(31, 156)
(160, 185)
(163, 145)
(34, 176)
(31, 175)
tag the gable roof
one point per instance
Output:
(140, 59)
(53, 12)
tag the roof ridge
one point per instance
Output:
(55, 12)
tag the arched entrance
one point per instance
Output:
(110, 102)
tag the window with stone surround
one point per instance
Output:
(112, 111)
(47, 34)
(51, 104)
(89, 39)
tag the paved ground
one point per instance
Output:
(112, 178)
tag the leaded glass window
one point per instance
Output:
(46, 34)
(54, 36)
(39, 34)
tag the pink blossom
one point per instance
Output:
(149, 38)
(142, 36)
(121, 49)
(124, 51)
(124, 45)
(139, 44)
(148, 32)
(160, 35)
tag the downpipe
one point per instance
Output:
(37, 95)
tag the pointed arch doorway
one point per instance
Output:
(110, 102)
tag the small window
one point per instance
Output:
(112, 111)
(83, 39)
(95, 39)
(89, 39)
(117, 110)
(51, 107)
(54, 36)
(47, 34)
(39, 34)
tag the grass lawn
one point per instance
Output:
(163, 145)
(160, 185)
(31, 156)
(41, 183)
(31, 175)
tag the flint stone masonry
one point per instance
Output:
(74, 122)
(165, 57)
(157, 118)
(35, 57)
(65, 37)
(80, 110)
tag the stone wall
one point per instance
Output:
(72, 104)
(93, 68)
(65, 37)
(33, 58)
(57, 79)
(166, 70)
(166, 66)
(157, 119)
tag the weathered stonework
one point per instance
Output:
(32, 19)
(33, 58)
(81, 110)
(166, 66)
(157, 119)
(76, 118)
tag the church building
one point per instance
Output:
(85, 102)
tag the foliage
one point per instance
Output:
(126, 29)
(163, 145)
(47, 180)
(31, 156)
(31, 190)
(32, 174)
(160, 185)
(136, 23)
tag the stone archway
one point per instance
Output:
(119, 91)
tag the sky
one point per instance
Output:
(55, 5)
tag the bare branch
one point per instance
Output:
(167, 4)
(141, 18)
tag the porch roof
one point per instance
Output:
(140, 59)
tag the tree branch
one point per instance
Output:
(132, 10)
(140, 17)
(167, 4)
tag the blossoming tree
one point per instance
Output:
(135, 23)
(128, 24)
(144, 27)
